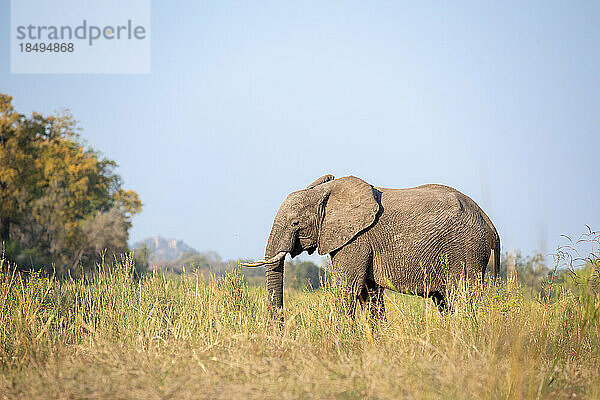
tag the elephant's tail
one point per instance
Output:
(496, 256)
(494, 245)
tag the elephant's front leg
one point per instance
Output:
(372, 300)
(350, 265)
(440, 301)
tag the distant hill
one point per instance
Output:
(164, 250)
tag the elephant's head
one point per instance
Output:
(326, 215)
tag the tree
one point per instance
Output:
(18, 170)
(192, 260)
(141, 257)
(531, 271)
(302, 275)
(60, 203)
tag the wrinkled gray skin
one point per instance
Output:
(408, 240)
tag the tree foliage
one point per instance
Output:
(303, 275)
(531, 271)
(61, 204)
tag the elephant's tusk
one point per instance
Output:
(254, 264)
(271, 260)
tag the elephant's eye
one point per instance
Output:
(295, 222)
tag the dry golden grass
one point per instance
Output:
(116, 337)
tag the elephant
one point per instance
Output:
(407, 240)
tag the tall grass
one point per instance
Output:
(114, 336)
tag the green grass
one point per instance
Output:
(112, 336)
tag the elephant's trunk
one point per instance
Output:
(274, 273)
(275, 285)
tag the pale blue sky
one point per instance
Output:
(248, 101)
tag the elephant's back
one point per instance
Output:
(423, 226)
(441, 202)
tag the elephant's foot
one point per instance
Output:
(440, 301)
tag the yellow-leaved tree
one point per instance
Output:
(61, 204)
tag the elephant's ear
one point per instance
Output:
(323, 179)
(350, 207)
